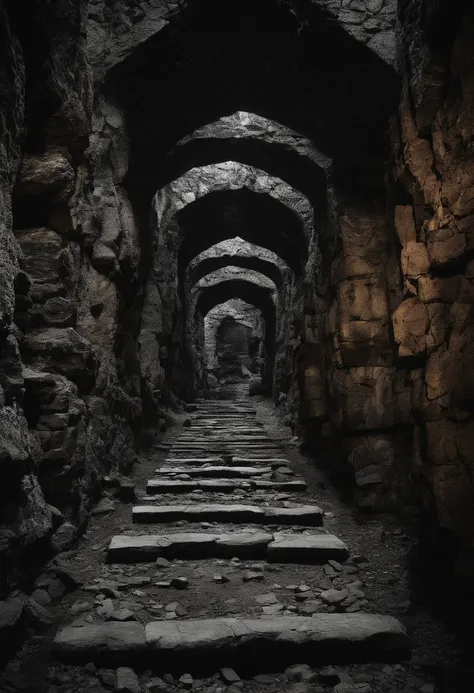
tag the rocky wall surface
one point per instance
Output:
(388, 388)
(69, 400)
(432, 195)
(24, 516)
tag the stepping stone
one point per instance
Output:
(110, 642)
(157, 486)
(300, 548)
(243, 544)
(279, 548)
(194, 460)
(294, 486)
(197, 513)
(194, 643)
(145, 548)
(309, 515)
(273, 462)
(306, 515)
(220, 439)
(216, 471)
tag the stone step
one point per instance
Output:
(306, 515)
(216, 471)
(235, 445)
(156, 486)
(263, 442)
(228, 430)
(223, 416)
(145, 548)
(194, 460)
(195, 644)
(305, 549)
(216, 438)
(274, 462)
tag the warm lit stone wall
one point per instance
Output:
(431, 190)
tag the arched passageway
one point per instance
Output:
(204, 194)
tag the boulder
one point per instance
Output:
(61, 349)
(48, 173)
(64, 537)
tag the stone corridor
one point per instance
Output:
(236, 345)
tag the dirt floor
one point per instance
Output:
(380, 551)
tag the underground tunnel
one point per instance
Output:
(236, 346)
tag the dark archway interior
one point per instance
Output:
(258, 219)
(291, 68)
(208, 265)
(254, 295)
(274, 158)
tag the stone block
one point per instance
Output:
(410, 326)
(372, 397)
(362, 299)
(49, 173)
(439, 289)
(415, 260)
(61, 349)
(41, 249)
(445, 245)
(405, 224)
(365, 242)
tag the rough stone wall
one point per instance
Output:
(372, 22)
(69, 402)
(369, 397)
(431, 179)
(24, 516)
(391, 388)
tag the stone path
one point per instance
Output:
(227, 496)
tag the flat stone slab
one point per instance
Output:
(194, 460)
(216, 471)
(243, 544)
(158, 486)
(220, 438)
(302, 548)
(324, 638)
(111, 641)
(218, 445)
(273, 462)
(306, 515)
(147, 548)
(198, 513)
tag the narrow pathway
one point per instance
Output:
(226, 574)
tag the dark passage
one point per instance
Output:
(236, 346)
